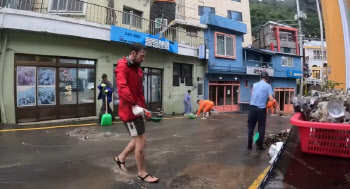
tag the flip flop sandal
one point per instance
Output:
(143, 178)
(119, 163)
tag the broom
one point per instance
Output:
(106, 119)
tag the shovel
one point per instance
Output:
(256, 137)
(106, 119)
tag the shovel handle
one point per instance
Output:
(106, 104)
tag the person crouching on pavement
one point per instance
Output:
(131, 108)
(271, 105)
(104, 86)
(262, 91)
(206, 106)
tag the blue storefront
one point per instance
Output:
(232, 70)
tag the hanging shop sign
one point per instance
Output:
(294, 74)
(251, 70)
(155, 41)
(201, 52)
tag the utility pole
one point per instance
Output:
(322, 40)
(300, 37)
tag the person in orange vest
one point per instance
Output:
(206, 106)
(271, 105)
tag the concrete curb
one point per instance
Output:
(266, 178)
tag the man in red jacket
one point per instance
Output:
(132, 107)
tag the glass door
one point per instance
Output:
(221, 95)
(212, 94)
(235, 95)
(228, 93)
(284, 98)
(225, 97)
(152, 88)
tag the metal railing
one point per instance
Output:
(103, 15)
(257, 63)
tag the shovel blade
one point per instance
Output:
(256, 137)
(106, 120)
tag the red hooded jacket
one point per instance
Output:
(129, 84)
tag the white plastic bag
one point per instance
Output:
(137, 110)
(274, 150)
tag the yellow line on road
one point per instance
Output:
(257, 181)
(51, 127)
(62, 126)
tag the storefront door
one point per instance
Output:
(49, 88)
(284, 98)
(152, 87)
(225, 96)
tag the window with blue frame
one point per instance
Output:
(234, 15)
(236, 0)
(225, 45)
(203, 9)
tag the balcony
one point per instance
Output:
(93, 13)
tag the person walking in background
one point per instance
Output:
(262, 91)
(187, 103)
(131, 108)
(103, 86)
(206, 106)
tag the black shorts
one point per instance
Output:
(135, 127)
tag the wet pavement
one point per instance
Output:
(295, 169)
(184, 153)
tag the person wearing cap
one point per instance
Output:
(104, 86)
(262, 92)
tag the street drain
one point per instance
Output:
(187, 181)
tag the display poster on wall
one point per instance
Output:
(26, 86)
(46, 86)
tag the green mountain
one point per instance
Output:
(262, 11)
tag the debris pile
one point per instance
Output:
(159, 114)
(329, 106)
(90, 133)
(274, 138)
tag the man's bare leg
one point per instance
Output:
(128, 149)
(140, 142)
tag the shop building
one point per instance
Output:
(52, 61)
(232, 70)
(316, 61)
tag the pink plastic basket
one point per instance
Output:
(332, 139)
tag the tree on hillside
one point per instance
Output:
(277, 10)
